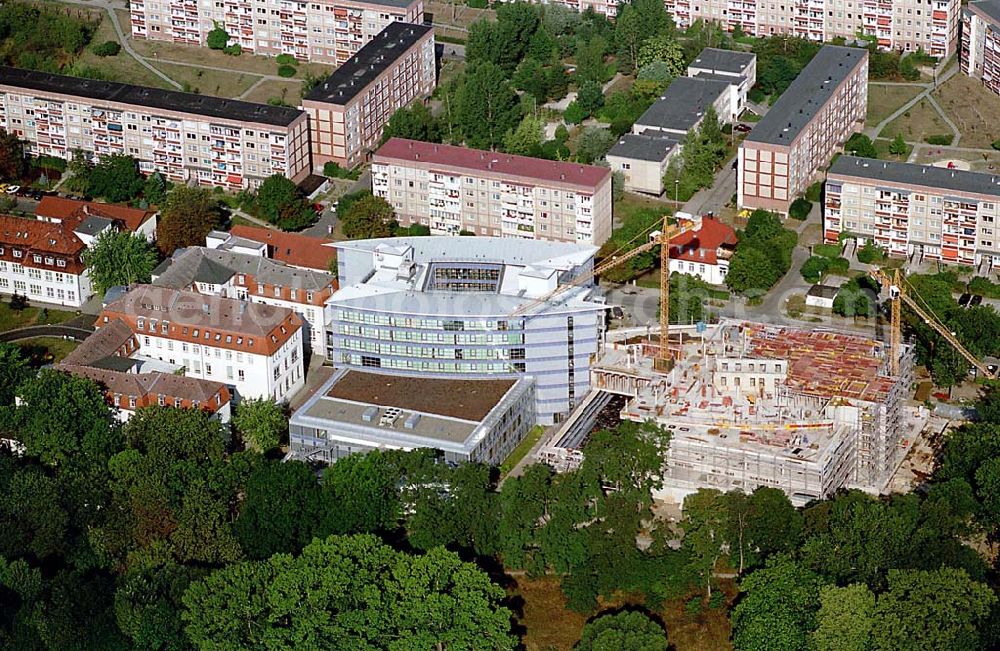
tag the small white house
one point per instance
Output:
(821, 296)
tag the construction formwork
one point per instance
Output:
(750, 404)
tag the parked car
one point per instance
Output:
(12, 189)
(964, 299)
(742, 128)
(976, 300)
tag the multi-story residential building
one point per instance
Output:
(919, 212)
(904, 25)
(348, 110)
(454, 189)
(240, 269)
(44, 260)
(979, 54)
(187, 138)
(59, 209)
(717, 79)
(131, 383)
(255, 349)
(798, 136)
(327, 31)
(469, 308)
(296, 250)
(467, 420)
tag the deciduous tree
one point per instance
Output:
(119, 258)
(629, 629)
(486, 106)
(368, 217)
(13, 163)
(261, 423)
(187, 216)
(845, 619)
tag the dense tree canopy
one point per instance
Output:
(281, 202)
(187, 216)
(119, 257)
(629, 629)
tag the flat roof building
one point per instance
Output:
(798, 136)
(901, 25)
(979, 51)
(718, 79)
(919, 212)
(186, 137)
(326, 31)
(467, 420)
(453, 189)
(469, 308)
(348, 109)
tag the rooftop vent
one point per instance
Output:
(369, 414)
(411, 421)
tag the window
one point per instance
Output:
(131, 402)
(240, 374)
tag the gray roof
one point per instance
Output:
(683, 103)
(989, 7)
(823, 291)
(93, 225)
(727, 60)
(368, 63)
(729, 79)
(217, 266)
(912, 174)
(167, 100)
(806, 95)
(650, 148)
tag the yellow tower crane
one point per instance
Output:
(662, 239)
(894, 283)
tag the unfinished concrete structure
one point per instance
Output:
(749, 405)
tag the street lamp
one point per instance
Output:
(677, 191)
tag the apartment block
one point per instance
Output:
(903, 25)
(454, 189)
(799, 135)
(348, 110)
(919, 212)
(979, 55)
(253, 348)
(326, 31)
(188, 138)
(239, 268)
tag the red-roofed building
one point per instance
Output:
(43, 261)
(453, 189)
(60, 209)
(290, 248)
(704, 252)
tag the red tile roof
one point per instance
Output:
(52, 207)
(291, 248)
(30, 237)
(147, 388)
(703, 244)
(525, 167)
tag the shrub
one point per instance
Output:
(233, 50)
(839, 266)
(815, 191)
(333, 170)
(218, 38)
(995, 144)
(49, 163)
(286, 71)
(814, 268)
(285, 60)
(574, 113)
(800, 209)
(938, 140)
(869, 253)
(108, 49)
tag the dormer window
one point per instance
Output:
(48, 260)
(195, 333)
(239, 341)
(37, 258)
(18, 253)
(229, 339)
(165, 327)
(141, 323)
(60, 263)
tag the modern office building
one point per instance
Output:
(240, 269)
(979, 54)
(467, 420)
(326, 31)
(454, 189)
(131, 382)
(348, 110)
(469, 308)
(188, 138)
(903, 25)
(919, 212)
(798, 136)
(253, 348)
(718, 79)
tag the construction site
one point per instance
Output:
(808, 411)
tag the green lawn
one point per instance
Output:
(9, 319)
(46, 350)
(522, 449)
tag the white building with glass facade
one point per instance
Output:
(469, 307)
